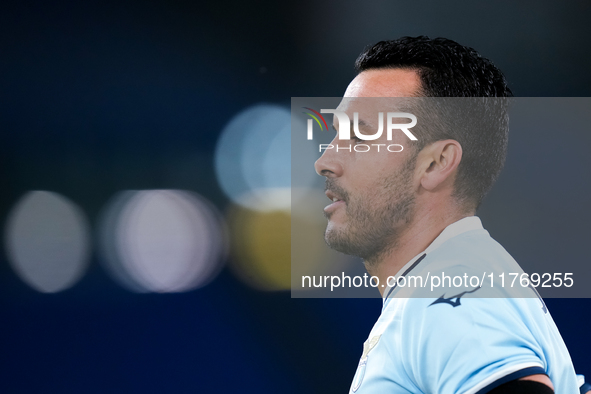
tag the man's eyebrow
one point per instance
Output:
(361, 123)
(364, 127)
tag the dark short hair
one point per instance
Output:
(448, 69)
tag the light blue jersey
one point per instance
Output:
(461, 344)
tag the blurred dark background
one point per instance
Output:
(99, 97)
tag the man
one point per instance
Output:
(414, 211)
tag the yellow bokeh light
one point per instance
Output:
(261, 247)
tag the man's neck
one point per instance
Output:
(413, 240)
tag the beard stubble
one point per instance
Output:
(376, 218)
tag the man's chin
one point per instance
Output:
(334, 229)
(337, 239)
(330, 234)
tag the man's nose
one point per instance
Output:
(329, 164)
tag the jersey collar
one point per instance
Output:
(469, 223)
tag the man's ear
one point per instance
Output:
(438, 163)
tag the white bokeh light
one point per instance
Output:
(47, 241)
(161, 240)
(253, 158)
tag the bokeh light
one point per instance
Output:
(47, 241)
(261, 247)
(161, 240)
(252, 157)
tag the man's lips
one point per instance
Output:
(336, 201)
(332, 196)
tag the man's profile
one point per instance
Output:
(415, 209)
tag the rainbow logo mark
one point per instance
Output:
(315, 117)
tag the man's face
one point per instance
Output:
(372, 191)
